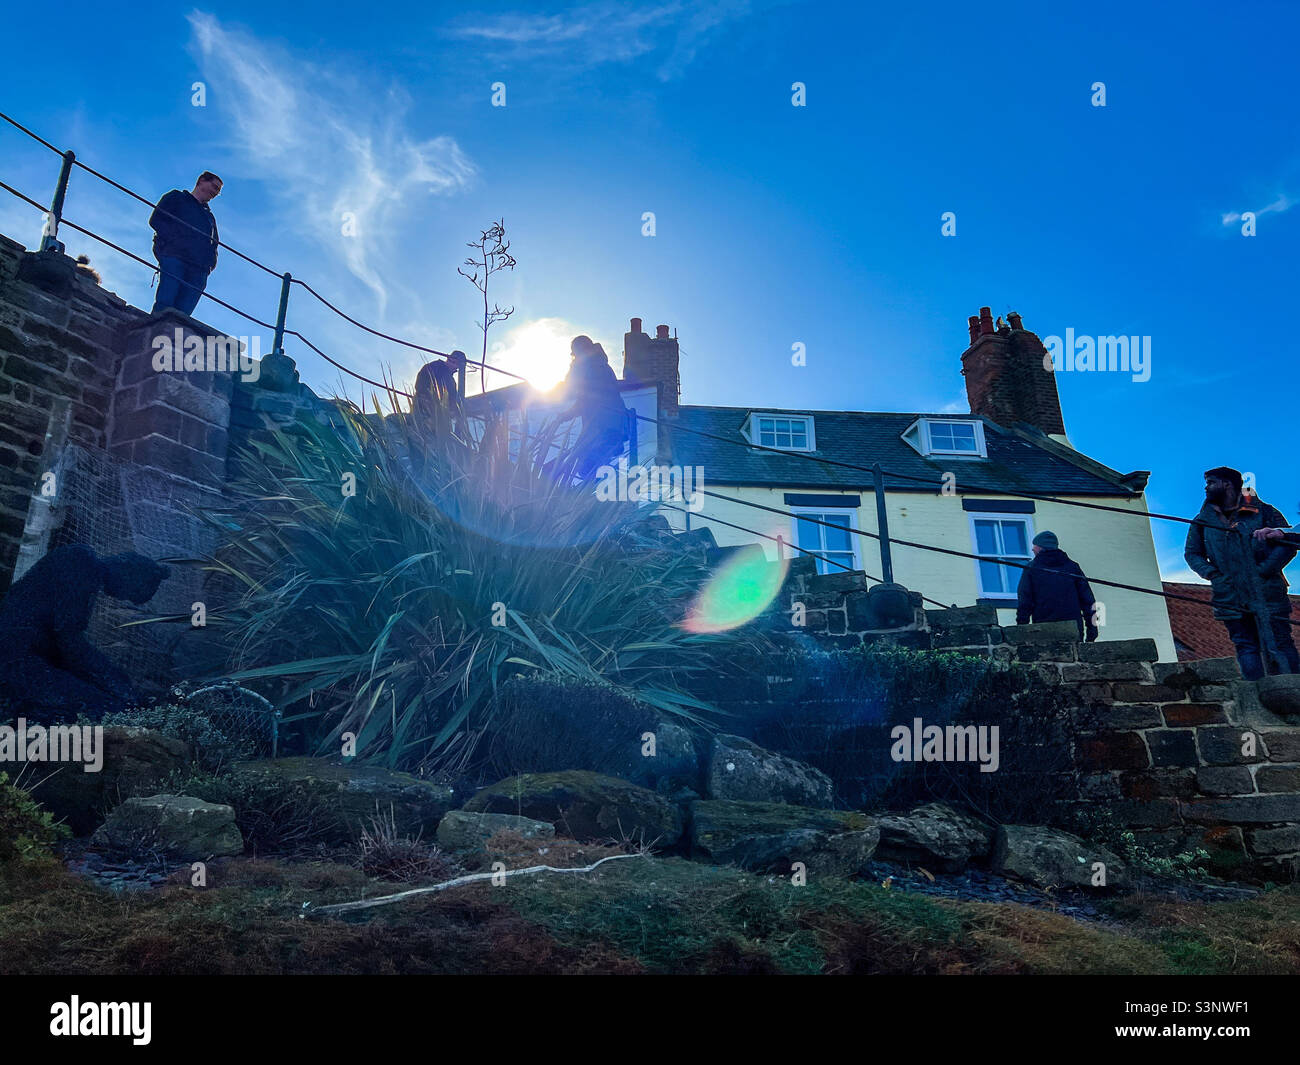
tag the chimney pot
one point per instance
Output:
(986, 320)
(636, 325)
(1016, 322)
(661, 332)
(973, 322)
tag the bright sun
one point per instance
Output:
(537, 351)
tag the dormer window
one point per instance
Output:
(943, 436)
(788, 432)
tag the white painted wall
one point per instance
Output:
(1107, 545)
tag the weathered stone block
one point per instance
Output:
(963, 636)
(1146, 813)
(1130, 716)
(959, 616)
(1283, 744)
(1043, 632)
(1149, 784)
(1172, 747)
(1222, 745)
(1248, 809)
(1271, 778)
(1201, 671)
(1139, 650)
(1188, 715)
(837, 582)
(1148, 693)
(1058, 651)
(1115, 750)
(1112, 671)
(1283, 840)
(1224, 780)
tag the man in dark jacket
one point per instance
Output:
(594, 395)
(1244, 571)
(185, 244)
(1054, 588)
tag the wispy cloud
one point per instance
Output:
(608, 32)
(1282, 203)
(339, 151)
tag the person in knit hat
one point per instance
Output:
(1244, 570)
(1054, 588)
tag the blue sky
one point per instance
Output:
(775, 224)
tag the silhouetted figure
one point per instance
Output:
(1054, 588)
(595, 398)
(185, 244)
(1244, 570)
(49, 671)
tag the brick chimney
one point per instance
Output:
(653, 361)
(1005, 376)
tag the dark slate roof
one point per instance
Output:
(1020, 459)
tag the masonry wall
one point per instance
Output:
(98, 446)
(1181, 753)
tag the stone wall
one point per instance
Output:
(1182, 753)
(98, 446)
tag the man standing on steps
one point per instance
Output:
(1054, 588)
(185, 243)
(1244, 570)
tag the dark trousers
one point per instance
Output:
(180, 285)
(1250, 650)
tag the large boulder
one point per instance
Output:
(136, 761)
(934, 836)
(359, 794)
(1054, 859)
(462, 832)
(179, 826)
(769, 837)
(584, 806)
(744, 772)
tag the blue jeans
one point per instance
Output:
(180, 285)
(1245, 637)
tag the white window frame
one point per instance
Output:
(1000, 515)
(822, 512)
(925, 444)
(753, 431)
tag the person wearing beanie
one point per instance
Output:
(1054, 588)
(1244, 569)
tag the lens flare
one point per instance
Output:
(740, 590)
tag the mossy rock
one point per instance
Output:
(179, 826)
(584, 806)
(359, 793)
(136, 761)
(769, 837)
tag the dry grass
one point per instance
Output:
(657, 915)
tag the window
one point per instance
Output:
(1001, 537)
(936, 436)
(781, 431)
(955, 437)
(832, 541)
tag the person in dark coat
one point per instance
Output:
(595, 398)
(185, 243)
(1244, 570)
(1054, 588)
(49, 671)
